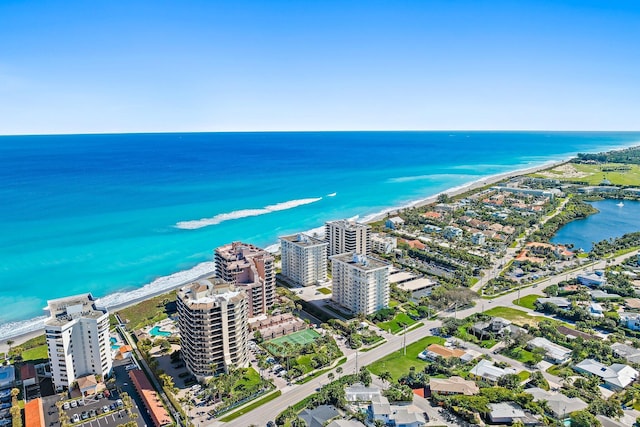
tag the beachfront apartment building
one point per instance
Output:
(304, 260)
(360, 282)
(251, 269)
(213, 324)
(77, 334)
(347, 236)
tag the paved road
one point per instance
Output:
(294, 393)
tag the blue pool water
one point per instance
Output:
(157, 332)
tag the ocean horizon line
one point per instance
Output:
(190, 132)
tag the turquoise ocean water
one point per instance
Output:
(120, 215)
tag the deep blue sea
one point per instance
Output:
(611, 221)
(115, 214)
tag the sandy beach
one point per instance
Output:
(489, 180)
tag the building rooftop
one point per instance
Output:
(34, 413)
(618, 375)
(453, 385)
(558, 403)
(64, 310)
(362, 262)
(347, 224)
(150, 397)
(304, 240)
(553, 350)
(208, 293)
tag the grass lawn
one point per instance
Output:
(558, 369)
(594, 174)
(149, 311)
(527, 301)
(325, 291)
(252, 406)
(520, 354)
(466, 336)
(524, 375)
(397, 323)
(398, 364)
(516, 316)
(249, 381)
(35, 353)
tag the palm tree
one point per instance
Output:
(10, 343)
(339, 371)
(385, 376)
(331, 376)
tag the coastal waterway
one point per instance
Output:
(614, 219)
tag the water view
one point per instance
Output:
(616, 218)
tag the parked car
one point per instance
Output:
(66, 405)
(76, 418)
(84, 415)
(105, 408)
(74, 403)
(92, 413)
(120, 403)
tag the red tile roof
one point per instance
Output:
(33, 413)
(150, 397)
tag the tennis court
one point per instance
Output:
(296, 338)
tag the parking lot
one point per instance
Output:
(112, 417)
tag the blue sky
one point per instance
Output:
(155, 66)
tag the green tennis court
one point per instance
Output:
(296, 338)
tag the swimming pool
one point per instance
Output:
(157, 332)
(113, 341)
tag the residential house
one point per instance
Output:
(432, 228)
(394, 223)
(632, 303)
(596, 310)
(593, 279)
(359, 393)
(631, 321)
(453, 385)
(602, 295)
(616, 377)
(497, 326)
(610, 422)
(559, 405)
(554, 353)
(508, 413)
(572, 334)
(450, 232)
(399, 416)
(487, 371)
(630, 354)
(560, 302)
(319, 416)
(345, 423)
(478, 238)
(436, 350)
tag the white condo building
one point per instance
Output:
(304, 259)
(347, 236)
(77, 334)
(360, 282)
(214, 327)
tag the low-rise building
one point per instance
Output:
(592, 279)
(616, 377)
(478, 238)
(508, 413)
(596, 310)
(630, 354)
(573, 334)
(453, 385)
(436, 350)
(360, 393)
(320, 416)
(451, 232)
(559, 404)
(631, 321)
(560, 302)
(602, 295)
(487, 371)
(394, 223)
(383, 244)
(554, 353)
(497, 326)
(396, 415)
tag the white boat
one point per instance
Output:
(621, 204)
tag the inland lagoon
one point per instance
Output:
(614, 219)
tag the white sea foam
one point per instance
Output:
(332, 194)
(244, 213)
